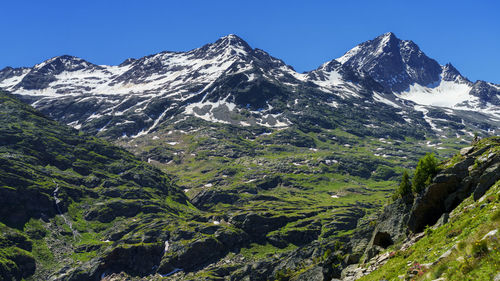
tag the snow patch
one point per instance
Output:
(446, 94)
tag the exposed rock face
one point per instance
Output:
(474, 174)
(16, 261)
(313, 274)
(486, 92)
(258, 225)
(213, 197)
(394, 63)
(390, 227)
(202, 251)
(477, 169)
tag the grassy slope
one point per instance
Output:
(472, 257)
(361, 171)
(311, 168)
(100, 188)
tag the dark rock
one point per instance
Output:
(442, 220)
(202, 251)
(136, 260)
(487, 179)
(313, 274)
(34, 202)
(382, 239)
(109, 211)
(391, 224)
(352, 258)
(295, 236)
(212, 197)
(372, 252)
(258, 225)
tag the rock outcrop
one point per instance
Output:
(469, 173)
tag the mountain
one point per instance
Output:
(394, 63)
(229, 82)
(231, 166)
(74, 207)
(400, 66)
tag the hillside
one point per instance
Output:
(224, 163)
(448, 232)
(72, 202)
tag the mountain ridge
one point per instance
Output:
(220, 81)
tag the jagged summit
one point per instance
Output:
(450, 73)
(215, 81)
(232, 40)
(393, 62)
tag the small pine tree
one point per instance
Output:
(405, 185)
(426, 169)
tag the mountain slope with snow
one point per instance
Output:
(403, 68)
(230, 82)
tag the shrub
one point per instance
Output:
(496, 215)
(404, 189)
(454, 232)
(479, 248)
(428, 230)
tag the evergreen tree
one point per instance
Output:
(426, 169)
(405, 185)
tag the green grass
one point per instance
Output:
(472, 258)
(262, 251)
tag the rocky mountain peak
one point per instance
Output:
(61, 63)
(42, 74)
(232, 40)
(394, 63)
(450, 73)
(227, 46)
(8, 72)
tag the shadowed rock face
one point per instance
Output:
(382, 239)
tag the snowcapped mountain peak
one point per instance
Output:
(232, 40)
(394, 63)
(230, 44)
(387, 39)
(64, 62)
(450, 73)
(230, 82)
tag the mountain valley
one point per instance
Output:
(224, 163)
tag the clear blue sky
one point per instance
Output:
(302, 33)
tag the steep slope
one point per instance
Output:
(455, 221)
(400, 66)
(73, 207)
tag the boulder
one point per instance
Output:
(212, 197)
(391, 225)
(487, 179)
